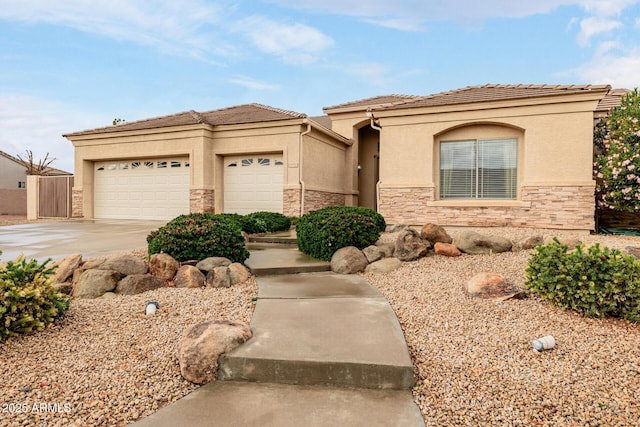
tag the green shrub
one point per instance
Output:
(199, 236)
(322, 232)
(28, 301)
(272, 221)
(596, 282)
(247, 224)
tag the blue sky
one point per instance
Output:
(72, 65)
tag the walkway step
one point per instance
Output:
(275, 405)
(322, 329)
(279, 260)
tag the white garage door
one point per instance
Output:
(142, 189)
(253, 183)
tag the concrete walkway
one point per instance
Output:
(326, 350)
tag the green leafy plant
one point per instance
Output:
(272, 221)
(320, 233)
(198, 236)
(596, 282)
(617, 168)
(28, 301)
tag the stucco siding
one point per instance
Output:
(11, 173)
(13, 202)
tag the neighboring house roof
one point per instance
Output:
(48, 171)
(324, 121)
(611, 100)
(240, 114)
(495, 92)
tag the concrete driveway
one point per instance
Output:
(59, 239)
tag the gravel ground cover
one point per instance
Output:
(473, 358)
(107, 363)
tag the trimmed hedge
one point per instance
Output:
(596, 282)
(322, 232)
(28, 301)
(199, 236)
(272, 221)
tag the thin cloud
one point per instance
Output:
(183, 27)
(251, 83)
(29, 123)
(611, 64)
(296, 44)
(595, 26)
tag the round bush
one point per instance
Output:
(199, 236)
(272, 221)
(322, 232)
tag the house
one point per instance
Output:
(489, 155)
(13, 185)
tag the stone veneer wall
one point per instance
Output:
(291, 202)
(201, 201)
(76, 204)
(559, 207)
(315, 200)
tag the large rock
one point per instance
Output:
(124, 264)
(528, 243)
(384, 265)
(410, 245)
(396, 228)
(94, 283)
(210, 263)
(373, 253)
(238, 273)
(446, 249)
(164, 266)
(66, 267)
(435, 233)
(474, 243)
(189, 276)
(570, 242)
(218, 277)
(386, 248)
(348, 260)
(139, 283)
(492, 285)
(64, 287)
(202, 345)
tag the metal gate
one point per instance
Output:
(54, 196)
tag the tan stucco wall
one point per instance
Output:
(554, 152)
(206, 147)
(11, 173)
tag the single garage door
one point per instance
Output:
(253, 183)
(142, 189)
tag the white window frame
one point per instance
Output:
(476, 179)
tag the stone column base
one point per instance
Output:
(201, 201)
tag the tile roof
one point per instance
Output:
(376, 101)
(240, 114)
(324, 121)
(611, 100)
(495, 92)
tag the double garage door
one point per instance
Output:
(158, 189)
(142, 188)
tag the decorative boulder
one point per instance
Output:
(435, 233)
(164, 266)
(124, 264)
(208, 264)
(396, 228)
(64, 287)
(238, 273)
(492, 285)
(384, 265)
(474, 243)
(528, 243)
(189, 276)
(66, 267)
(410, 246)
(218, 277)
(373, 253)
(386, 248)
(570, 242)
(348, 260)
(446, 249)
(632, 250)
(202, 345)
(139, 283)
(94, 283)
